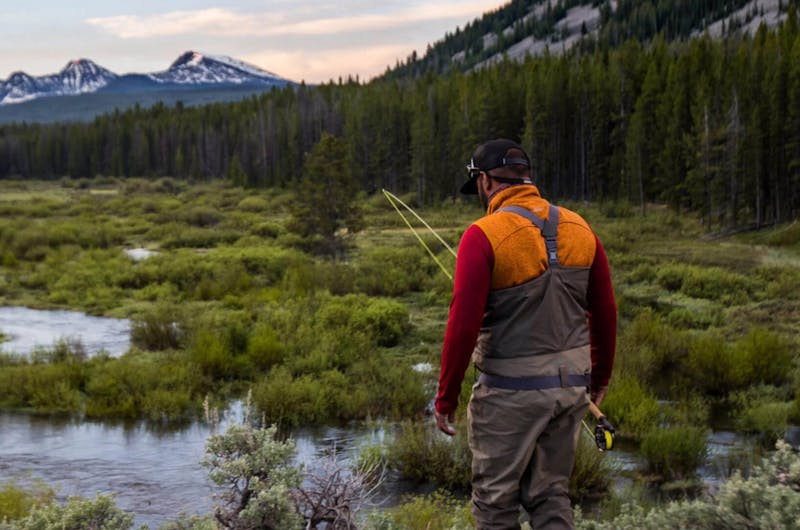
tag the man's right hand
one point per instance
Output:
(443, 422)
(597, 394)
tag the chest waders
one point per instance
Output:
(549, 230)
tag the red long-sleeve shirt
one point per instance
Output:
(473, 277)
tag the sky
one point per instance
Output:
(301, 40)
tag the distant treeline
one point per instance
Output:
(712, 126)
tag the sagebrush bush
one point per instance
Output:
(78, 514)
(255, 469)
(768, 498)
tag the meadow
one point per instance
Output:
(232, 301)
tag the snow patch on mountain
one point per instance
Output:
(80, 76)
(194, 68)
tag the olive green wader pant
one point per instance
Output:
(523, 451)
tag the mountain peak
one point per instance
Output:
(191, 69)
(188, 58)
(195, 68)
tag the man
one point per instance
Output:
(534, 307)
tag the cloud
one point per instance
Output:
(213, 21)
(227, 22)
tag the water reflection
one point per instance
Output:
(29, 329)
(155, 473)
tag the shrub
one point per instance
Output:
(439, 511)
(48, 388)
(767, 499)
(135, 387)
(788, 235)
(210, 355)
(200, 216)
(393, 390)
(671, 276)
(268, 229)
(193, 522)
(159, 328)
(253, 204)
(196, 237)
(421, 453)
(648, 346)
(632, 409)
(762, 410)
(766, 357)
(717, 284)
(393, 271)
(782, 282)
(712, 365)
(257, 473)
(592, 474)
(386, 321)
(675, 452)
(288, 401)
(17, 499)
(78, 514)
(264, 348)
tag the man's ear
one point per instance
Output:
(490, 183)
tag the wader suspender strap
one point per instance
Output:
(549, 229)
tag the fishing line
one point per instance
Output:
(392, 198)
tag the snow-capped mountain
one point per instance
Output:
(190, 70)
(193, 68)
(77, 77)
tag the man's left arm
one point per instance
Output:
(473, 276)
(602, 311)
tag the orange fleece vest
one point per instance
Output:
(532, 308)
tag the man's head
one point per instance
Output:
(501, 161)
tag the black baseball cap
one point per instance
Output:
(490, 155)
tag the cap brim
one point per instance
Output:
(470, 187)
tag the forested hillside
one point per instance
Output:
(710, 125)
(499, 31)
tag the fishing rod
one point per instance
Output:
(604, 432)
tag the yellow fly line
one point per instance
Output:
(394, 200)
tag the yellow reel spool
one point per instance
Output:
(604, 434)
